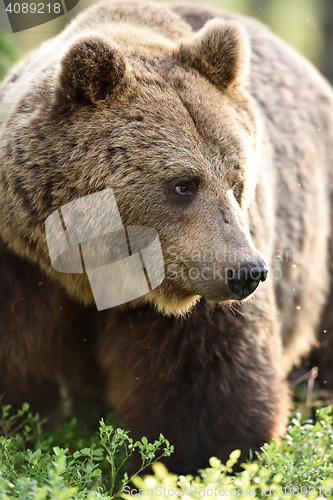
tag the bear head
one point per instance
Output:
(165, 120)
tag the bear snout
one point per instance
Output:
(244, 280)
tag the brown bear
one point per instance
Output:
(227, 155)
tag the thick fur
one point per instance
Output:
(129, 97)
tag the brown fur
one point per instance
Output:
(128, 97)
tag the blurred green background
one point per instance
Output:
(305, 24)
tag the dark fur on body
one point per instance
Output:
(210, 381)
(184, 376)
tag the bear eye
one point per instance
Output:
(186, 188)
(182, 189)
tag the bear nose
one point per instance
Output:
(245, 279)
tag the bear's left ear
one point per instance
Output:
(220, 51)
(91, 69)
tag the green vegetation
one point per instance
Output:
(73, 463)
(68, 463)
(8, 54)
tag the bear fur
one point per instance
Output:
(144, 98)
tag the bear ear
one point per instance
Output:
(220, 51)
(91, 70)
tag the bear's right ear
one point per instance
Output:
(220, 51)
(91, 70)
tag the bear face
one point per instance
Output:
(173, 133)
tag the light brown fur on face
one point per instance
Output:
(144, 99)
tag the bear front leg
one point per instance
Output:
(210, 383)
(34, 317)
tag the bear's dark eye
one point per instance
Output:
(182, 189)
(185, 188)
